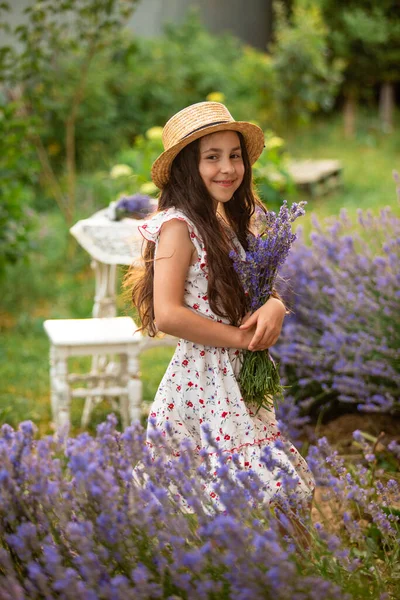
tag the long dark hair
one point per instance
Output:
(187, 192)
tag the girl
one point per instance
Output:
(190, 290)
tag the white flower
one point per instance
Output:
(274, 142)
(148, 188)
(216, 97)
(154, 133)
(120, 171)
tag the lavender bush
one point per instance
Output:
(341, 344)
(74, 523)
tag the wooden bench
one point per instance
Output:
(316, 177)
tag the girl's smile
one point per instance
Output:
(221, 164)
(225, 183)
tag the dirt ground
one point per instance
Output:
(339, 432)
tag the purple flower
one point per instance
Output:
(394, 447)
(138, 206)
(104, 533)
(370, 457)
(340, 344)
(258, 269)
(266, 252)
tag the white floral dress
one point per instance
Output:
(200, 388)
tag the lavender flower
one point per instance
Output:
(259, 377)
(98, 532)
(138, 206)
(341, 343)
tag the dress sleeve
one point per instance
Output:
(150, 230)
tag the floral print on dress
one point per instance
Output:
(200, 388)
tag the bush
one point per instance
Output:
(306, 79)
(270, 172)
(18, 169)
(141, 82)
(75, 524)
(340, 345)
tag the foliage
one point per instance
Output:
(340, 345)
(30, 70)
(140, 157)
(270, 172)
(366, 35)
(151, 79)
(158, 77)
(75, 523)
(368, 160)
(179, 68)
(139, 83)
(307, 80)
(130, 84)
(18, 170)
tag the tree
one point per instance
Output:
(18, 169)
(366, 35)
(306, 80)
(78, 29)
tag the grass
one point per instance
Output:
(368, 162)
(51, 285)
(24, 373)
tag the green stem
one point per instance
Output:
(259, 380)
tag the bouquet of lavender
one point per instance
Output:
(259, 376)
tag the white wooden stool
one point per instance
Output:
(98, 338)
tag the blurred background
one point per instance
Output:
(85, 87)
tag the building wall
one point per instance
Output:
(249, 20)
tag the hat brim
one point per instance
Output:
(253, 136)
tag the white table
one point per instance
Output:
(109, 243)
(112, 243)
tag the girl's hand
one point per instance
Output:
(246, 335)
(268, 321)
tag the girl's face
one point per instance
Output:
(221, 165)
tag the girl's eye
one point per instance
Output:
(215, 157)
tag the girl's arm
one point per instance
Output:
(175, 254)
(268, 321)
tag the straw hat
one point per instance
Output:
(194, 122)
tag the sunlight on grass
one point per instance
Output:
(24, 377)
(368, 162)
(153, 364)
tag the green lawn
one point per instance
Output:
(368, 162)
(24, 374)
(54, 286)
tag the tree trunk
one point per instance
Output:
(70, 131)
(386, 107)
(349, 113)
(71, 165)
